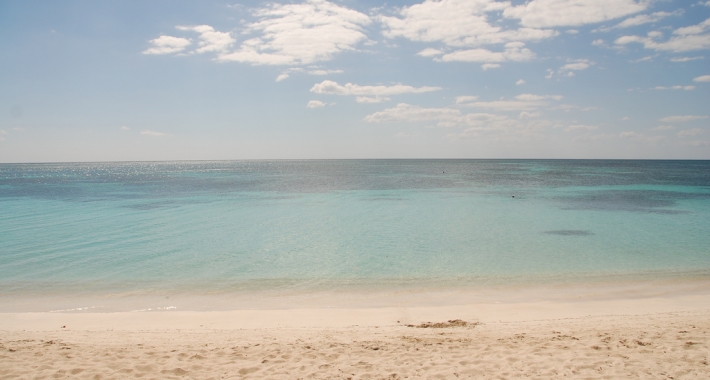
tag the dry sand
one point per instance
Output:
(623, 338)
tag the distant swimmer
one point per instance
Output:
(513, 196)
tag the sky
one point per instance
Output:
(214, 80)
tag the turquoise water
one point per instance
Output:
(221, 227)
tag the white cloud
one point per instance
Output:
(210, 40)
(474, 124)
(314, 70)
(529, 115)
(663, 128)
(580, 127)
(598, 42)
(535, 98)
(315, 104)
(147, 132)
(514, 51)
(685, 59)
(676, 87)
(578, 65)
(124, 128)
(3, 132)
(404, 135)
(410, 113)
(167, 45)
(550, 73)
(702, 78)
(520, 82)
(641, 137)
(333, 88)
(448, 118)
(572, 31)
(465, 99)
(647, 18)
(551, 13)
(457, 23)
(693, 29)
(487, 66)
(696, 143)
(367, 99)
(323, 72)
(523, 102)
(292, 34)
(681, 119)
(430, 52)
(690, 132)
(695, 37)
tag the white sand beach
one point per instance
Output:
(648, 337)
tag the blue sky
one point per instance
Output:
(167, 80)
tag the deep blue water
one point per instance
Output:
(219, 227)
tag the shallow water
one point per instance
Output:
(308, 226)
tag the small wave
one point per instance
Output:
(75, 309)
(155, 309)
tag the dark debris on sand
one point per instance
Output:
(443, 325)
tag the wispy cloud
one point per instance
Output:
(576, 65)
(210, 40)
(456, 24)
(551, 13)
(407, 112)
(690, 132)
(311, 71)
(685, 59)
(682, 118)
(642, 19)
(514, 51)
(333, 88)
(488, 66)
(580, 127)
(641, 137)
(167, 45)
(702, 78)
(367, 99)
(147, 132)
(676, 87)
(523, 102)
(296, 34)
(315, 104)
(689, 38)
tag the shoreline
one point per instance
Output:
(491, 307)
(657, 333)
(374, 298)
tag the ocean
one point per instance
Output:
(80, 236)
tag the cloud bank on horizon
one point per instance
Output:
(447, 78)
